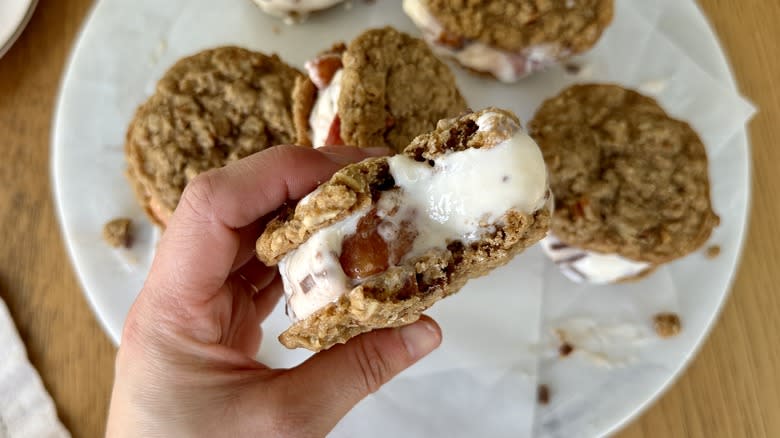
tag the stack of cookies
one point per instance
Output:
(609, 184)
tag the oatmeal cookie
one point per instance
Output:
(209, 109)
(631, 183)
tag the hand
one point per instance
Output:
(186, 364)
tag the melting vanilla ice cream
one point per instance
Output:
(312, 273)
(472, 187)
(459, 196)
(581, 265)
(325, 110)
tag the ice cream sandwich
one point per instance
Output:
(383, 89)
(631, 184)
(510, 39)
(386, 238)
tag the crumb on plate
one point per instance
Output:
(565, 349)
(667, 324)
(117, 232)
(543, 394)
(572, 68)
(713, 251)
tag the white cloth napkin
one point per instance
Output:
(26, 409)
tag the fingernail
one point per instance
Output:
(378, 151)
(420, 338)
(339, 158)
(347, 155)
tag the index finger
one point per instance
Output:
(198, 248)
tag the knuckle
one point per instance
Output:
(199, 193)
(290, 423)
(374, 368)
(288, 413)
(280, 152)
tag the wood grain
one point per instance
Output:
(730, 390)
(64, 342)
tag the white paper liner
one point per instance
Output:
(616, 322)
(448, 403)
(484, 376)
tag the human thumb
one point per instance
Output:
(335, 380)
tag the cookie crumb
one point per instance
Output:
(572, 68)
(276, 29)
(117, 232)
(667, 324)
(565, 349)
(580, 68)
(543, 394)
(713, 251)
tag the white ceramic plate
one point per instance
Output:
(14, 15)
(126, 46)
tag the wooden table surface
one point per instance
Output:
(732, 388)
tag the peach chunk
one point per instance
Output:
(334, 133)
(365, 253)
(323, 68)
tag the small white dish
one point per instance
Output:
(14, 16)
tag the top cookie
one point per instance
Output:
(392, 89)
(209, 109)
(574, 25)
(627, 178)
